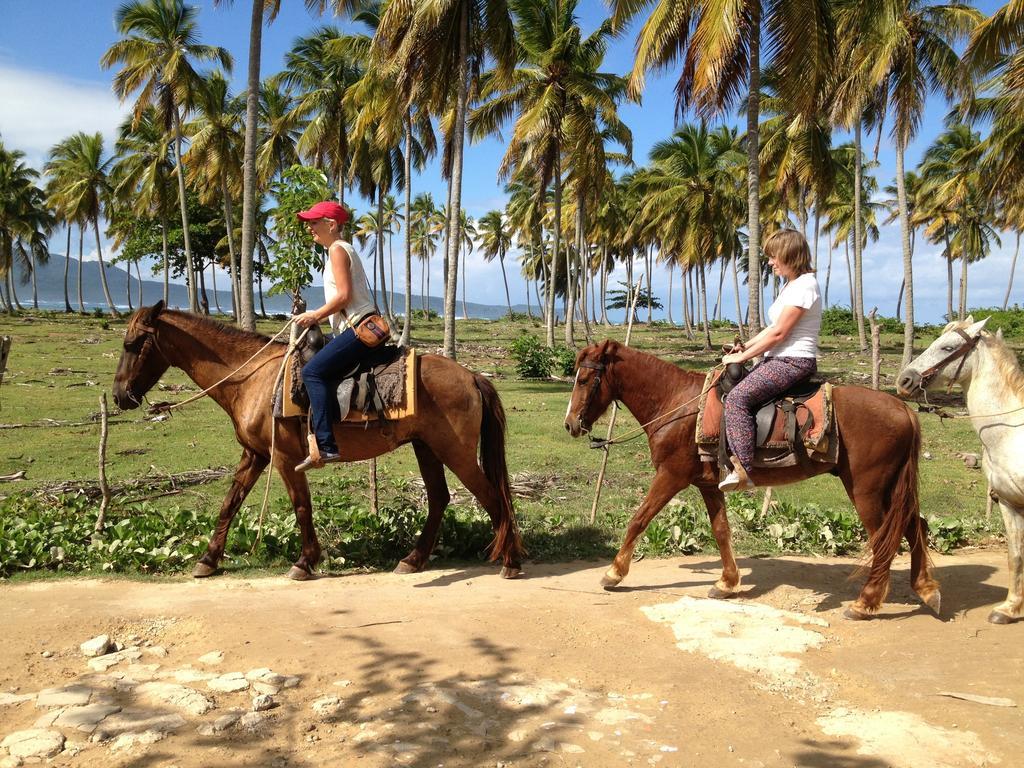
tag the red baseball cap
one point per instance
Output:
(327, 209)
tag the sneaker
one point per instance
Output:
(734, 482)
(326, 457)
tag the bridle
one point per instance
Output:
(595, 384)
(140, 346)
(961, 353)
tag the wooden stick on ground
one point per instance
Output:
(5, 347)
(615, 411)
(101, 517)
(876, 352)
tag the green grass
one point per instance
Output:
(60, 365)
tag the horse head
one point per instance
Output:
(946, 361)
(142, 363)
(591, 393)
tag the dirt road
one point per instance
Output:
(460, 668)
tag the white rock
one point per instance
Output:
(328, 706)
(35, 743)
(263, 702)
(178, 696)
(265, 675)
(85, 718)
(98, 646)
(291, 681)
(156, 650)
(252, 721)
(11, 762)
(7, 699)
(105, 662)
(136, 721)
(189, 675)
(213, 657)
(68, 696)
(142, 673)
(265, 688)
(229, 683)
(129, 740)
(221, 724)
(48, 719)
(47, 654)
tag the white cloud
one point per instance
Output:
(41, 108)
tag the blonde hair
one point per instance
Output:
(790, 248)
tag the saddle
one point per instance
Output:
(795, 428)
(381, 386)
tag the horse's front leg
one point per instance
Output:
(432, 471)
(1012, 609)
(666, 485)
(248, 471)
(298, 491)
(714, 500)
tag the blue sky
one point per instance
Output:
(51, 85)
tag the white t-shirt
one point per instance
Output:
(802, 340)
(360, 302)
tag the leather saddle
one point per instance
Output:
(796, 427)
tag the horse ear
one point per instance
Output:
(969, 320)
(975, 328)
(153, 312)
(999, 334)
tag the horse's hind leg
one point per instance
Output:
(871, 507)
(714, 500)
(248, 471)
(1012, 609)
(666, 485)
(926, 587)
(438, 497)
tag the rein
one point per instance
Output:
(167, 407)
(596, 442)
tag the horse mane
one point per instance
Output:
(1003, 358)
(220, 332)
(659, 366)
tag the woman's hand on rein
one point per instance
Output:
(734, 357)
(306, 319)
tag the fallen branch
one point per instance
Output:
(19, 475)
(154, 484)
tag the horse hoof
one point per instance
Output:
(508, 572)
(202, 570)
(934, 603)
(855, 614)
(404, 568)
(610, 579)
(998, 617)
(720, 594)
(299, 574)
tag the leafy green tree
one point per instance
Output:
(295, 257)
(25, 221)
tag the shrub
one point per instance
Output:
(1010, 320)
(424, 314)
(564, 360)
(533, 360)
(838, 321)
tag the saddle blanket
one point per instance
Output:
(811, 420)
(386, 390)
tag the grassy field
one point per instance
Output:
(59, 366)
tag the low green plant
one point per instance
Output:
(533, 360)
(424, 314)
(946, 534)
(563, 360)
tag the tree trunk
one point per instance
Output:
(817, 226)
(557, 234)
(128, 287)
(753, 172)
(828, 270)
(604, 287)
(213, 282)
(68, 308)
(504, 278)
(103, 275)
(380, 254)
(204, 300)
(407, 320)
(702, 280)
(949, 277)
(858, 240)
(138, 275)
(736, 288)
(671, 276)
(232, 255)
(247, 318)
(464, 248)
(456, 199)
(849, 279)
(908, 258)
(167, 258)
(193, 298)
(35, 286)
(573, 262)
(687, 288)
(81, 263)
(717, 314)
(649, 267)
(963, 285)
(1009, 286)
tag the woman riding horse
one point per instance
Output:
(789, 346)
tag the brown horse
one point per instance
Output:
(880, 440)
(457, 411)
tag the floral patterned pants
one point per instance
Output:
(772, 377)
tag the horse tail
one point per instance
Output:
(507, 541)
(904, 514)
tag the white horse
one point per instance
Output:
(993, 386)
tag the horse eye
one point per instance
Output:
(949, 348)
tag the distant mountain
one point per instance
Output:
(50, 286)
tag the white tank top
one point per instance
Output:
(360, 303)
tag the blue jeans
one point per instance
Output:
(321, 376)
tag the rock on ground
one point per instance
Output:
(97, 646)
(35, 743)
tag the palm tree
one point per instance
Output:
(435, 45)
(563, 105)
(159, 45)
(215, 161)
(898, 51)
(425, 227)
(82, 185)
(495, 240)
(721, 46)
(280, 128)
(142, 174)
(25, 221)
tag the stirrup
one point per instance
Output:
(734, 481)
